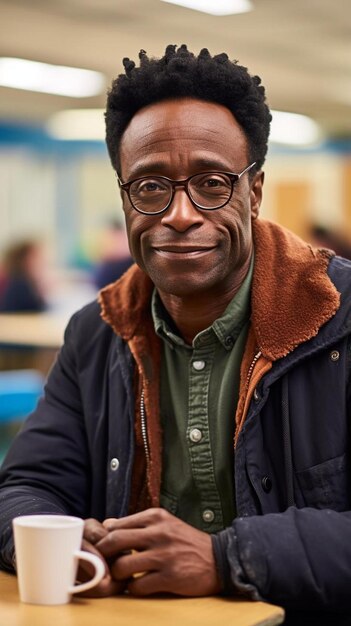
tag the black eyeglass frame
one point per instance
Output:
(234, 178)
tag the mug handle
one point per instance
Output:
(99, 571)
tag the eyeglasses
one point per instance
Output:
(152, 195)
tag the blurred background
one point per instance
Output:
(60, 212)
(56, 183)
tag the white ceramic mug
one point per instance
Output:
(47, 554)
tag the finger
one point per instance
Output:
(135, 564)
(93, 531)
(146, 585)
(119, 541)
(107, 586)
(137, 520)
(86, 569)
(132, 521)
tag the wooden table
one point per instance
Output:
(128, 611)
(39, 330)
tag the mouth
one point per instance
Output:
(181, 252)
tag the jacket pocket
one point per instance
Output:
(326, 485)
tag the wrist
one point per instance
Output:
(222, 564)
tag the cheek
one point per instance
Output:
(136, 227)
(240, 215)
(235, 220)
(238, 228)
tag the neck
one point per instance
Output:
(195, 312)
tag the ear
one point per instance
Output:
(256, 194)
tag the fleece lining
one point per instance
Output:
(292, 295)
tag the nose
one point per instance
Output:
(182, 214)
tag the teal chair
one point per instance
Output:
(20, 391)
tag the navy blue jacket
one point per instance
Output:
(291, 541)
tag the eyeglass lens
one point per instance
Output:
(208, 191)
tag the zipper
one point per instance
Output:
(143, 428)
(251, 368)
(247, 383)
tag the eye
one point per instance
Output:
(208, 182)
(212, 182)
(150, 185)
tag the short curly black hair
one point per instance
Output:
(181, 74)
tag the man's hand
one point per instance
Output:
(93, 533)
(172, 556)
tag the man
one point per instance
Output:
(227, 344)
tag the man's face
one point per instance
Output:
(188, 251)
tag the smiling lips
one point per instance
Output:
(178, 252)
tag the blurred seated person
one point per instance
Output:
(3, 280)
(115, 257)
(321, 236)
(23, 283)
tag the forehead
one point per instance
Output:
(184, 128)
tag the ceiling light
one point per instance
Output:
(215, 7)
(293, 129)
(89, 125)
(78, 125)
(54, 79)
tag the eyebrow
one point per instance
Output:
(147, 167)
(162, 168)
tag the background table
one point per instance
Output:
(128, 611)
(30, 340)
(40, 330)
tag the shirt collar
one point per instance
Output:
(226, 328)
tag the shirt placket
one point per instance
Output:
(198, 437)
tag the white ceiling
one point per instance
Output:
(300, 48)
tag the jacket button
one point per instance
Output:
(335, 355)
(266, 484)
(256, 395)
(114, 464)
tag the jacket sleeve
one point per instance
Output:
(300, 559)
(47, 468)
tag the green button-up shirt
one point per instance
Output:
(198, 398)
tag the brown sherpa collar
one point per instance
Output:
(292, 295)
(125, 304)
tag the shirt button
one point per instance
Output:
(195, 435)
(229, 341)
(199, 365)
(114, 464)
(208, 515)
